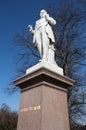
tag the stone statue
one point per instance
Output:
(43, 36)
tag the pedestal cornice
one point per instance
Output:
(43, 74)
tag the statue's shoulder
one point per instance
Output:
(38, 21)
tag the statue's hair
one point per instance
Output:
(43, 11)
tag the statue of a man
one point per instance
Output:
(43, 36)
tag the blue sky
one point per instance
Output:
(15, 15)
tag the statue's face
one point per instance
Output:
(42, 14)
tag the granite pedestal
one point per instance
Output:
(43, 104)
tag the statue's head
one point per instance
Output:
(43, 13)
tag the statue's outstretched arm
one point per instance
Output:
(30, 29)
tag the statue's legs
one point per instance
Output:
(39, 43)
(45, 44)
(42, 42)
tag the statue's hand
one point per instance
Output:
(47, 17)
(30, 28)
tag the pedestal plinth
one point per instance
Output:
(43, 104)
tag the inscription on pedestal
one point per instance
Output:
(31, 108)
(34, 108)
